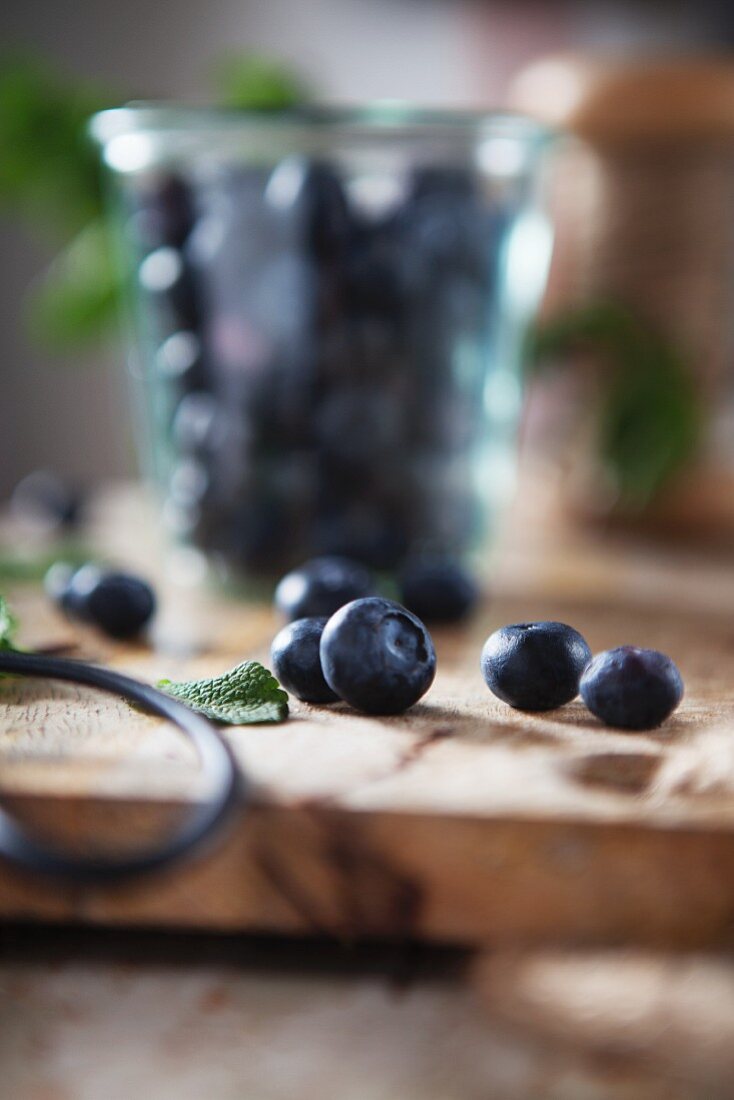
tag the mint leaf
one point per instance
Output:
(49, 169)
(246, 695)
(77, 298)
(651, 417)
(8, 625)
(254, 82)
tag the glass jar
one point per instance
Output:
(330, 309)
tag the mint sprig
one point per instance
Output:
(246, 695)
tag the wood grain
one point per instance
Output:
(462, 820)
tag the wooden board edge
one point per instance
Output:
(323, 870)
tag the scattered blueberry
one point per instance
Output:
(44, 497)
(119, 604)
(321, 586)
(377, 656)
(296, 661)
(438, 590)
(535, 666)
(631, 688)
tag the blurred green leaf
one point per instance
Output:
(255, 83)
(8, 625)
(651, 417)
(78, 297)
(48, 168)
(50, 177)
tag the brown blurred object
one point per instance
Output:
(643, 200)
(671, 1016)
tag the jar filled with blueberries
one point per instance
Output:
(330, 309)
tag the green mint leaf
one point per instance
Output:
(77, 299)
(651, 418)
(246, 695)
(49, 171)
(8, 625)
(253, 82)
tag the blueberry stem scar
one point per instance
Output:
(217, 764)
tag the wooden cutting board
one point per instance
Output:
(462, 820)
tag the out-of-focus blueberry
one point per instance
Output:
(119, 604)
(282, 297)
(443, 180)
(58, 588)
(372, 282)
(357, 424)
(189, 482)
(161, 271)
(321, 586)
(313, 194)
(438, 590)
(162, 214)
(179, 357)
(46, 498)
(165, 279)
(262, 532)
(194, 421)
(367, 533)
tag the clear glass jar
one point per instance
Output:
(330, 309)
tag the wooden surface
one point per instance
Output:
(86, 1014)
(461, 821)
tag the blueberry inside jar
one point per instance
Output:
(330, 309)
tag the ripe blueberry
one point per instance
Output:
(438, 590)
(631, 688)
(535, 666)
(377, 656)
(296, 662)
(321, 586)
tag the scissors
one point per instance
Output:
(228, 785)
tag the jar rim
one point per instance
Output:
(381, 117)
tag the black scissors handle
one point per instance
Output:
(226, 784)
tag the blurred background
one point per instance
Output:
(62, 406)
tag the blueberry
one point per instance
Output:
(58, 588)
(321, 586)
(162, 214)
(451, 181)
(535, 666)
(438, 590)
(179, 357)
(313, 192)
(634, 689)
(44, 497)
(296, 662)
(164, 277)
(119, 604)
(377, 656)
(195, 422)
